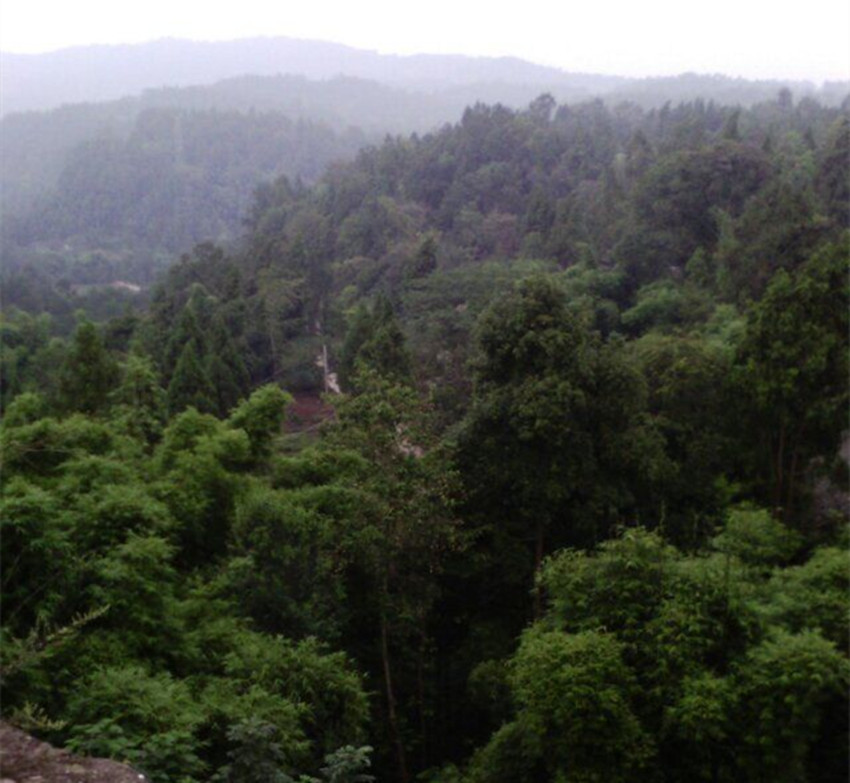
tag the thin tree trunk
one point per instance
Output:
(538, 563)
(420, 687)
(791, 476)
(792, 472)
(270, 330)
(326, 384)
(392, 717)
(780, 458)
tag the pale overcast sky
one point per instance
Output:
(752, 38)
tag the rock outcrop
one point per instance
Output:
(24, 759)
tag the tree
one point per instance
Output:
(689, 399)
(677, 200)
(89, 373)
(291, 563)
(424, 261)
(558, 424)
(225, 367)
(575, 690)
(785, 683)
(256, 756)
(833, 175)
(792, 371)
(141, 399)
(190, 385)
(375, 343)
(406, 530)
(261, 417)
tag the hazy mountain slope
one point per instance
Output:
(97, 73)
(34, 145)
(173, 179)
(101, 73)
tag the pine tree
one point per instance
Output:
(89, 372)
(141, 397)
(375, 342)
(385, 351)
(188, 329)
(190, 384)
(225, 368)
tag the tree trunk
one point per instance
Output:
(780, 458)
(420, 687)
(796, 440)
(270, 329)
(538, 563)
(392, 717)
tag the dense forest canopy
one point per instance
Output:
(112, 191)
(513, 451)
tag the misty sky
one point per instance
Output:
(752, 38)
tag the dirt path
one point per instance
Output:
(307, 413)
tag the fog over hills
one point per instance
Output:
(147, 149)
(100, 73)
(96, 73)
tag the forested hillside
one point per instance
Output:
(120, 204)
(573, 507)
(96, 195)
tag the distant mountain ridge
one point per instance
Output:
(98, 73)
(30, 82)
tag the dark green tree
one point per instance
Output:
(140, 398)
(376, 343)
(190, 384)
(225, 368)
(89, 373)
(558, 440)
(792, 371)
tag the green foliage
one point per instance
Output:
(111, 513)
(618, 588)
(127, 713)
(514, 754)
(290, 578)
(333, 705)
(88, 374)
(687, 380)
(140, 400)
(347, 765)
(575, 690)
(190, 384)
(39, 448)
(137, 581)
(35, 553)
(424, 262)
(553, 325)
(559, 426)
(814, 596)
(261, 417)
(783, 685)
(793, 368)
(754, 537)
(694, 666)
(375, 344)
(834, 171)
(256, 757)
(27, 408)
